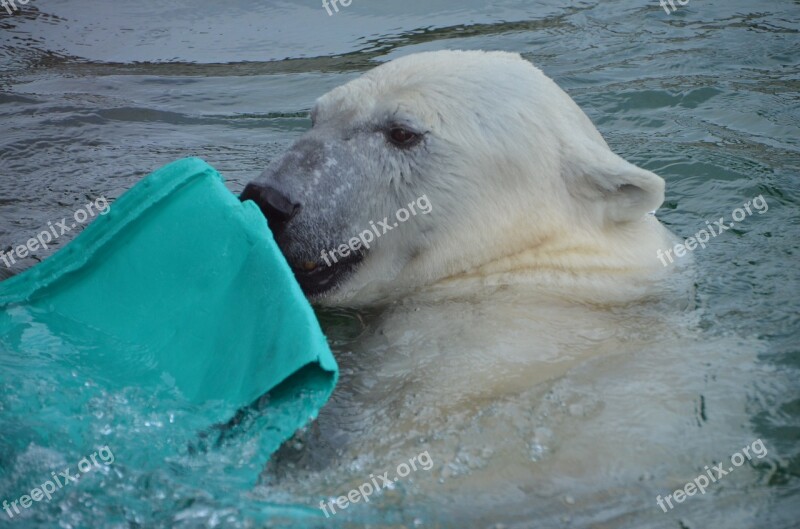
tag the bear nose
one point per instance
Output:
(275, 205)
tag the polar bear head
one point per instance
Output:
(485, 154)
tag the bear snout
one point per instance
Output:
(276, 205)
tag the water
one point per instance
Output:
(95, 95)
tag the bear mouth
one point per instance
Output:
(322, 278)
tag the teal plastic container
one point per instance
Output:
(160, 322)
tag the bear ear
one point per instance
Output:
(625, 192)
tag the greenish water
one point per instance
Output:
(94, 96)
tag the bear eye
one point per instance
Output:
(403, 137)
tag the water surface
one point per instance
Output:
(95, 95)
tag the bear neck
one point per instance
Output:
(618, 263)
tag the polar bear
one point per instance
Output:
(522, 188)
(517, 326)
